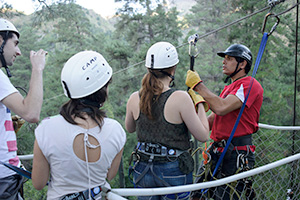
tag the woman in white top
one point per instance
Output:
(81, 147)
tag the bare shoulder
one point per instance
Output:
(180, 95)
(134, 98)
(134, 95)
(180, 98)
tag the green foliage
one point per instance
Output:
(153, 23)
(31, 193)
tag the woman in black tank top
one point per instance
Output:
(162, 118)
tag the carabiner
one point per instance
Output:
(265, 22)
(192, 40)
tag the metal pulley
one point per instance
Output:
(192, 40)
(272, 3)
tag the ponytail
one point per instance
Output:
(151, 89)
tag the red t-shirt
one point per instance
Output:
(248, 124)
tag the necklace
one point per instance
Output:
(240, 77)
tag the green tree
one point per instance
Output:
(206, 17)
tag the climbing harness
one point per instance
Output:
(91, 194)
(242, 146)
(154, 152)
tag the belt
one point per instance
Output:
(242, 143)
(237, 141)
(240, 148)
(156, 152)
(96, 192)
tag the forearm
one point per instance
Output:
(202, 116)
(33, 101)
(215, 102)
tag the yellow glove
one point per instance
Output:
(198, 99)
(192, 79)
(17, 122)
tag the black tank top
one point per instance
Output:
(161, 131)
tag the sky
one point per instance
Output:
(106, 8)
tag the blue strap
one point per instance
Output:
(19, 170)
(259, 56)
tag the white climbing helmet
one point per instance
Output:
(85, 73)
(161, 55)
(6, 25)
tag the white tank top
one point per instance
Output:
(55, 137)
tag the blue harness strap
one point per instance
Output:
(257, 62)
(19, 170)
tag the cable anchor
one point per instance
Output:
(265, 22)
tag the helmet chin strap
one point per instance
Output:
(3, 62)
(234, 73)
(172, 84)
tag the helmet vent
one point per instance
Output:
(152, 60)
(85, 73)
(67, 89)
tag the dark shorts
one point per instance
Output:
(10, 186)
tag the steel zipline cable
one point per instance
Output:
(229, 24)
(205, 35)
(287, 10)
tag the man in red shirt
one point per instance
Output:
(225, 110)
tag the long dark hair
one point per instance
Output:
(151, 89)
(89, 105)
